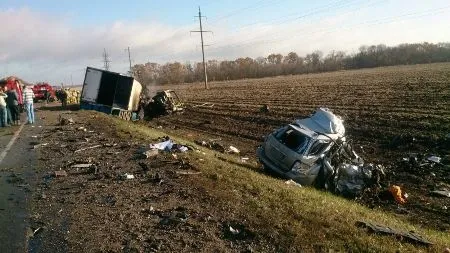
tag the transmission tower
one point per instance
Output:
(201, 31)
(106, 60)
(129, 59)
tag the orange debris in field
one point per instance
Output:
(396, 192)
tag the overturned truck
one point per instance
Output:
(314, 151)
(111, 93)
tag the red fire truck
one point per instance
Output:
(13, 83)
(40, 89)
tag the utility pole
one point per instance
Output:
(106, 60)
(129, 59)
(203, 49)
(71, 79)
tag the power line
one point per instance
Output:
(201, 31)
(338, 4)
(252, 6)
(386, 20)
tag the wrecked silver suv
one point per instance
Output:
(301, 150)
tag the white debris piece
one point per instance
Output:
(292, 182)
(435, 159)
(128, 176)
(234, 150)
(234, 231)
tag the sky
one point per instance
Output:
(55, 41)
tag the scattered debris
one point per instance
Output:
(408, 236)
(65, 121)
(264, 109)
(150, 153)
(234, 231)
(234, 150)
(244, 159)
(188, 172)
(435, 159)
(211, 144)
(83, 149)
(396, 192)
(210, 105)
(292, 182)
(442, 193)
(82, 129)
(169, 146)
(128, 176)
(60, 173)
(82, 165)
(40, 145)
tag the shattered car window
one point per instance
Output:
(318, 147)
(295, 140)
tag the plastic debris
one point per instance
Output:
(292, 182)
(234, 231)
(168, 145)
(128, 176)
(244, 159)
(165, 145)
(435, 159)
(396, 192)
(234, 150)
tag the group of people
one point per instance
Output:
(10, 109)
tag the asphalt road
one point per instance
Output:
(17, 162)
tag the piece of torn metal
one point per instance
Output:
(411, 236)
(188, 172)
(81, 165)
(442, 193)
(83, 149)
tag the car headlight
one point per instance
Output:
(300, 168)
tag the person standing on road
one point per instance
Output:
(12, 102)
(28, 97)
(3, 110)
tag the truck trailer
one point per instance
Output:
(111, 93)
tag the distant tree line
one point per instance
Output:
(292, 63)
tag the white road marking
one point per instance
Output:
(11, 142)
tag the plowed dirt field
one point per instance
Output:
(390, 113)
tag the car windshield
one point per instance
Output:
(294, 140)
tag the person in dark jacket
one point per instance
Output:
(12, 103)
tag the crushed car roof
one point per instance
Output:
(325, 122)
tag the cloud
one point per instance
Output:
(38, 46)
